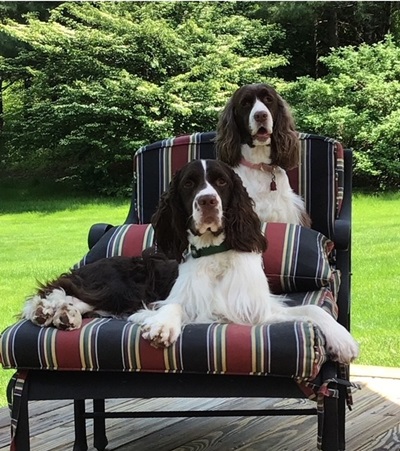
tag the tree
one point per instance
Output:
(312, 29)
(97, 80)
(358, 103)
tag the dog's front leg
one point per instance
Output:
(161, 327)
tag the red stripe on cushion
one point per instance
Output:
(238, 349)
(273, 256)
(151, 358)
(67, 348)
(133, 240)
(179, 156)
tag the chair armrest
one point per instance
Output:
(96, 232)
(342, 234)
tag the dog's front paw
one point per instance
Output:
(161, 335)
(161, 327)
(67, 317)
(342, 347)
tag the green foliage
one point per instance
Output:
(358, 103)
(100, 79)
(85, 84)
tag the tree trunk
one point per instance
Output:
(1, 106)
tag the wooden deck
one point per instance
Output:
(373, 425)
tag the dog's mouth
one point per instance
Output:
(262, 134)
(214, 229)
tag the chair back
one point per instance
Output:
(319, 178)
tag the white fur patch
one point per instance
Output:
(201, 221)
(161, 327)
(232, 287)
(253, 124)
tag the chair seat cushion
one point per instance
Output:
(294, 349)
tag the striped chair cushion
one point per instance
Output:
(294, 349)
(319, 179)
(296, 259)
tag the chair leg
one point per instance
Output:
(99, 425)
(80, 443)
(21, 439)
(330, 434)
(17, 397)
(342, 417)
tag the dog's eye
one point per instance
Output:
(188, 183)
(268, 98)
(245, 102)
(220, 182)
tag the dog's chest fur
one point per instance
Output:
(227, 285)
(279, 205)
(268, 203)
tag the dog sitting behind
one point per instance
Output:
(256, 137)
(116, 286)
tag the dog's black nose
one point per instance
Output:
(260, 116)
(207, 200)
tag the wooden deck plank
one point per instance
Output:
(209, 431)
(388, 441)
(373, 425)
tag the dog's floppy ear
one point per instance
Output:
(169, 222)
(285, 141)
(228, 137)
(242, 225)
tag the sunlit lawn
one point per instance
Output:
(376, 278)
(44, 232)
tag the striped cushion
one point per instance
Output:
(296, 259)
(325, 297)
(319, 179)
(294, 349)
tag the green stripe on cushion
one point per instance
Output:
(296, 259)
(339, 154)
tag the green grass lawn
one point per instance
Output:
(376, 278)
(44, 231)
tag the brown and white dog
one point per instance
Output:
(221, 279)
(256, 136)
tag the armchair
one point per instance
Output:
(107, 358)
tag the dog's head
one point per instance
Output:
(207, 199)
(257, 115)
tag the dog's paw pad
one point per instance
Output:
(42, 316)
(67, 318)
